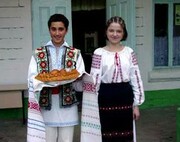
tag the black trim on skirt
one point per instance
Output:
(115, 108)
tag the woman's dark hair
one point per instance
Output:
(119, 20)
(58, 18)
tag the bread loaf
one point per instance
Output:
(58, 75)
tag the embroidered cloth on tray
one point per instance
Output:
(90, 123)
(35, 125)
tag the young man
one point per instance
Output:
(52, 108)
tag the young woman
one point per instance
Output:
(118, 84)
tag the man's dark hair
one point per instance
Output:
(58, 18)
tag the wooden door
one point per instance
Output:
(126, 10)
(41, 11)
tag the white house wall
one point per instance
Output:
(15, 42)
(143, 36)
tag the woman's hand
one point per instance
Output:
(136, 113)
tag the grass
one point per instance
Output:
(159, 98)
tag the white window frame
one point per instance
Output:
(165, 73)
(170, 31)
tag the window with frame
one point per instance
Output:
(166, 33)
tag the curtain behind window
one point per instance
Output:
(78, 5)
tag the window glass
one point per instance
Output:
(161, 35)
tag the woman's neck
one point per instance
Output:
(114, 47)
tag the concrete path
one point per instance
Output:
(155, 125)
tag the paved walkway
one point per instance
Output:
(155, 125)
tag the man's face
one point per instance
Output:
(57, 32)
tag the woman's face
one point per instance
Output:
(57, 32)
(115, 33)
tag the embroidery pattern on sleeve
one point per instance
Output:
(96, 61)
(139, 87)
(134, 59)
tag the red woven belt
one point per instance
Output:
(55, 90)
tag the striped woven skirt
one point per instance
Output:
(115, 108)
